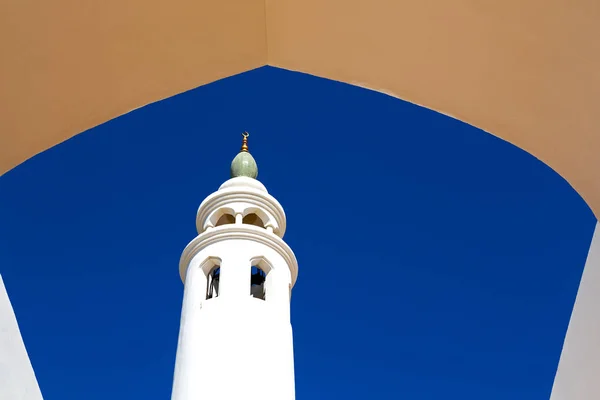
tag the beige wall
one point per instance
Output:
(525, 70)
(68, 65)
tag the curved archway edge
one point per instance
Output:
(526, 71)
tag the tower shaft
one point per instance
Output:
(235, 339)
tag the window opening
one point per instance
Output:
(212, 288)
(257, 283)
(225, 219)
(253, 219)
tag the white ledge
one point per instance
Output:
(254, 197)
(233, 231)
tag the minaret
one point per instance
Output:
(235, 337)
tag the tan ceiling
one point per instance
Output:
(527, 71)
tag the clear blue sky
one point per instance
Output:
(445, 265)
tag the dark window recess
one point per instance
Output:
(212, 288)
(253, 219)
(257, 283)
(225, 219)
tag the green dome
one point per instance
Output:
(244, 165)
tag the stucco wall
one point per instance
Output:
(579, 367)
(17, 379)
(68, 65)
(527, 71)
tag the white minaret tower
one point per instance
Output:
(235, 338)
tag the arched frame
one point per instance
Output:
(526, 71)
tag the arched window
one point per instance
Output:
(212, 287)
(253, 219)
(257, 283)
(225, 219)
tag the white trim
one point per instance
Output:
(262, 262)
(17, 377)
(579, 366)
(227, 198)
(246, 232)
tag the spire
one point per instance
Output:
(245, 141)
(243, 164)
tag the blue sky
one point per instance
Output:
(436, 261)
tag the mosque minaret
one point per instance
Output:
(235, 337)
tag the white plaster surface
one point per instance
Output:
(241, 195)
(236, 346)
(578, 374)
(17, 379)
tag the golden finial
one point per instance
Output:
(245, 141)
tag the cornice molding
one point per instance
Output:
(245, 232)
(225, 197)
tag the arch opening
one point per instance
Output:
(225, 219)
(258, 278)
(212, 284)
(253, 219)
